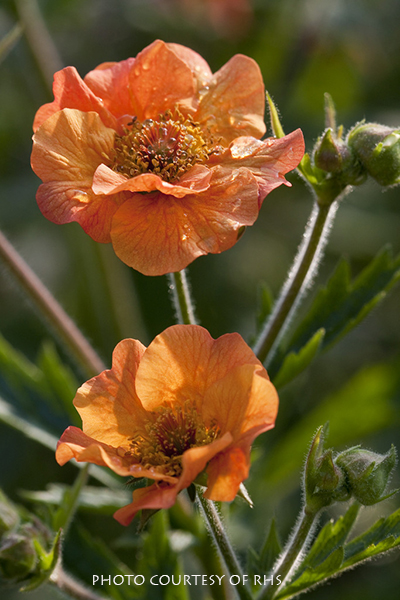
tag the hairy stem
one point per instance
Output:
(291, 553)
(180, 291)
(301, 274)
(62, 325)
(70, 586)
(223, 544)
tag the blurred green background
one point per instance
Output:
(304, 48)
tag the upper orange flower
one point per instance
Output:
(159, 156)
(185, 404)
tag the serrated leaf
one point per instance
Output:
(295, 362)
(341, 305)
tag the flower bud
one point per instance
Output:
(17, 556)
(378, 149)
(332, 154)
(367, 473)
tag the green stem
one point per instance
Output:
(70, 586)
(180, 291)
(63, 326)
(300, 277)
(221, 539)
(290, 554)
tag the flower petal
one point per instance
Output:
(195, 460)
(233, 102)
(226, 472)
(199, 67)
(158, 234)
(154, 496)
(159, 81)
(76, 444)
(184, 361)
(108, 404)
(269, 160)
(70, 91)
(67, 149)
(110, 82)
(107, 181)
(244, 402)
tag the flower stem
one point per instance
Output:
(291, 553)
(183, 304)
(218, 532)
(63, 326)
(301, 274)
(70, 586)
(69, 504)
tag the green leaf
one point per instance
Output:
(330, 556)
(342, 304)
(270, 550)
(264, 305)
(295, 362)
(47, 562)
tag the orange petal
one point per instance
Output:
(76, 444)
(67, 149)
(154, 496)
(107, 181)
(157, 234)
(232, 104)
(110, 82)
(159, 81)
(108, 404)
(195, 460)
(199, 67)
(244, 402)
(70, 91)
(268, 160)
(226, 472)
(184, 361)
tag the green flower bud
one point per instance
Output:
(17, 557)
(378, 149)
(367, 473)
(332, 154)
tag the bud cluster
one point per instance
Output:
(23, 539)
(355, 473)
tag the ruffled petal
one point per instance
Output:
(244, 402)
(269, 160)
(199, 67)
(157, 234)
(76, 444)
(67, 149)
(154, 496)
(110, 82)
(107, 181)
(195, 460)
(159, 81)
(232, 103)
(184, 361)
(70, 91)
(108, 404)
(226, 472)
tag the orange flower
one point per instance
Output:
(159, 156)
(184, 405)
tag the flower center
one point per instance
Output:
(168, 435)
(168, 147)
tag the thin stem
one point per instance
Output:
(69, 504)
(60, 322)
(303, 271)
(183, 304)
(221, 539)
(291, 553)
(70, 586)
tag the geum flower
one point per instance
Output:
(159, 156)
(185, 406)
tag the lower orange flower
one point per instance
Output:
(185, 405)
